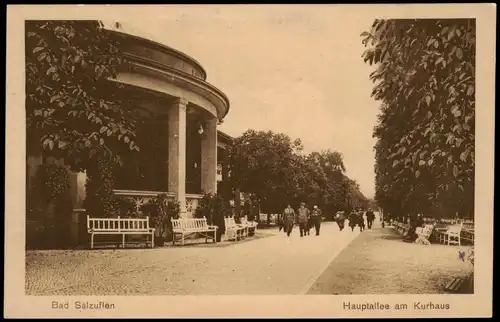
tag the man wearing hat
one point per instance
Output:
(370, 217)
(340, 219)
(316, 218)
(303, 218)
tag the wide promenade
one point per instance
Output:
(267, 265)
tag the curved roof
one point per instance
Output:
(126, 28)
(134, 32)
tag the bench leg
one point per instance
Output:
(152, 240)
(91, 241)
(182, 239)
(123, 241)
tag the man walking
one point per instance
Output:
(340, 219)
(370, 217)
(316, 218)
(353, 219)
(289, 219)
(361, 220)
(303, 218)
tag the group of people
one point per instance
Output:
(356, 218)
(307, 219)
(415, 222)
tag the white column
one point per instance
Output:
(209, 157)
(177, 151)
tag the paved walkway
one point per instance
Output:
(270, 265)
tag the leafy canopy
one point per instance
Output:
(72, 109)
(274, 168)
(425, 81)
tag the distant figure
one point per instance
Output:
(308, 224)
(316, 218)
(353, 220)
(370, 217)
(289, 218)
(360, 220)
(340, 219)
(303, 219)
(415, 221)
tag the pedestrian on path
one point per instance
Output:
(340, 219)
(289, 219)
(353, 220)
(316, 218)
(303, 218)
(361, 220)
(308, 223)
(415, 222)
(370, 217)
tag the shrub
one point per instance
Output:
(51, 182)
(125, 207)
(100, 200)
(48, 208)
(213, 207)
(160, 211)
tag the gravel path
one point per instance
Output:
(267, 265)
(379, 262)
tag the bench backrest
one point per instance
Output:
(118, 224)
(189, 223)
(455, 229)
(229, 222)
(427, 231)
(469, 226)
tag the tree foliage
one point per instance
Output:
(72, 109)
(425, 81)
(274, 168)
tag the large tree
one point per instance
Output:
(259, 162)
(425, 80)
(73, 111)
(273, 167)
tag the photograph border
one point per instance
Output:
(479, 304)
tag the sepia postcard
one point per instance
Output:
(323, 161)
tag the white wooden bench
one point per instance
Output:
(467, 232)
(184, 226)
(424, 234)
(119, 226)
(233, 230)
(450, 236)
(402, 228)
(252, 225)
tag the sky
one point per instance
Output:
(291, 69)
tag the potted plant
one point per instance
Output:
(211, 206)
(125, 207)
(173, 210)
(160, 210)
